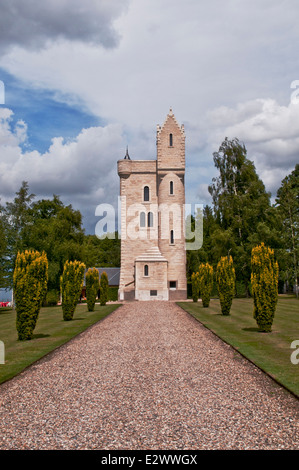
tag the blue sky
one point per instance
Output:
(84, 80)
(46, 115)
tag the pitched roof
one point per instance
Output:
(112, 273)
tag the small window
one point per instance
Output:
(142, 219)
(171, 187)
(153, 292)
(172, 284)
(170, 140)
(171, 237)
(146, 193)
(150, 219)
(146, 270)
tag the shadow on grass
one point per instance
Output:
(40, 335)
(255, 330)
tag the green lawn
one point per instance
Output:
(51, 331)
(269, 351)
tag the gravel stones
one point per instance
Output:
(148, 376)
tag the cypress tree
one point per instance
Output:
(30, 286)
(71, 285)
(264, 280)
(206, 280)
(226, 278)
(104, 289)
(92, 287)
(195, 286)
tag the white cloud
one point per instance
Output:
(83, 171)
(224, 67)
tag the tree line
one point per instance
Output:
(49, 226)
(240, 217)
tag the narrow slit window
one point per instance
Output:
(150, 219)
(146, 193)
(170, 140)
(171, 187)
(171, 237)
(142, 219)
(146, 270)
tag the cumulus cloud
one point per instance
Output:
(269, 131)
(32, 23)
(82, 171)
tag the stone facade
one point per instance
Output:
(152, 193)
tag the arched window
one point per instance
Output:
(171, 237)
(142, 219)
(150, 219)
(146, 270)
(170, 140)
(171, 187)
(146, 193)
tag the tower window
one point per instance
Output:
(150, 219)
(146, 270)
(171, 187)
(146, 193)
(170, 140)
(172, 284)
(142, 219)
(171, 237)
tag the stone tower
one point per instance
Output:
(153, 255)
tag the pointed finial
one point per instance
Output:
(127, 157)
(170, 111)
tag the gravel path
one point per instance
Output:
(147, 377)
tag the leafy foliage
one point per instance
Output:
(206, 281)
(71, 285)
(225, 279)
(30, 286)
(195, 286)
(264, 280)
(92, 287)
(104, 289)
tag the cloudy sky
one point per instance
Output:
(85, 79)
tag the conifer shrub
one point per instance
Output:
(226, 279)
(104, 289)
(92, 283)
(30, 280)
(195, 286)
(264, 282)
(71, 286)
(206, 281)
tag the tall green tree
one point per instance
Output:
(287, 206)
(56, 229)
(240, 204)
(16, 216)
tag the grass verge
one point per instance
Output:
(51, 332)
(272, 351)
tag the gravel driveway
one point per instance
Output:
(147, 377)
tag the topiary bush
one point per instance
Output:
(264, 282)
(104, 289)
(206, 281)
(71, 286)
(226, 279)
(195, 286)
(92, 283)
(30, 280)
